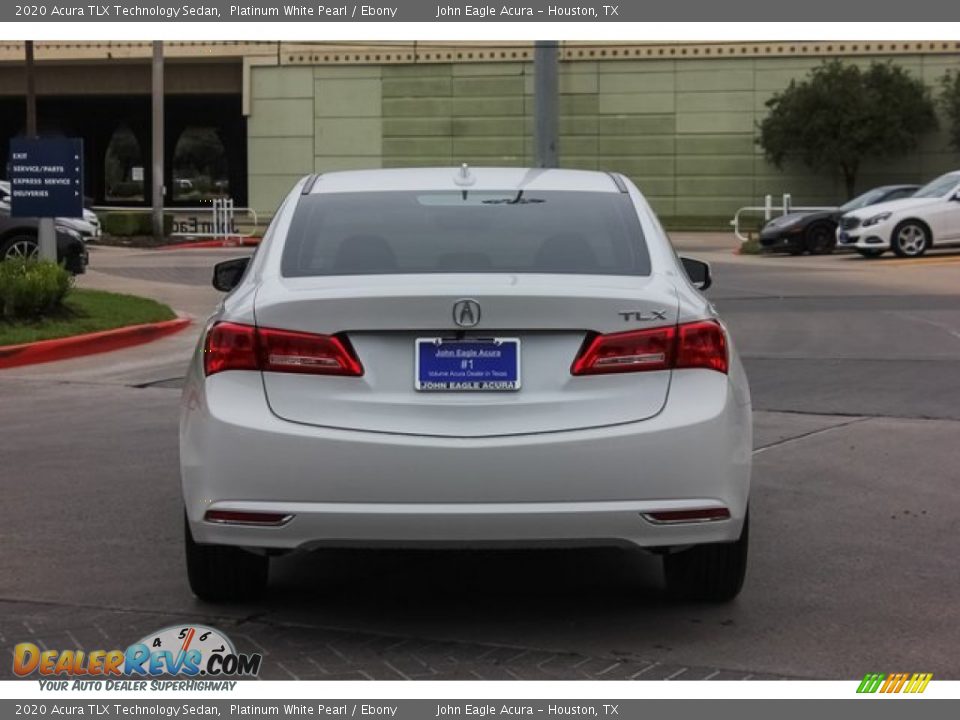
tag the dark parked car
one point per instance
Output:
(816, 232)
(18, 238)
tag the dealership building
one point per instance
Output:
(248, 119)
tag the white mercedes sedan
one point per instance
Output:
(465, 357)
(909, 227)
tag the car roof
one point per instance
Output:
(452, 178)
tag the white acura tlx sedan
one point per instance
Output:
(465, 357)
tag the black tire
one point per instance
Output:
(870, 253)
(820, 239)
(16, 247)
(222, 573)
(911, 239)
(708, 573)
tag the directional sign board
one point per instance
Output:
(46, 177)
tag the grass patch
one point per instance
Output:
(85, 311)
(751, 247)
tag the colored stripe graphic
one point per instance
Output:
(871, 682)
(894, 683)
(919, 682)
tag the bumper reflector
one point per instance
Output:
(234, 517)
(688, 516)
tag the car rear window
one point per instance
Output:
(465, 232)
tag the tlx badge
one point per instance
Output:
(643, 316)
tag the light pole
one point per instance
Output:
(46, 227)
(157, 141)
(545, 103)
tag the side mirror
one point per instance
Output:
(698, 272)
(227, 274)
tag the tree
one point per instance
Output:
(841, 115)
(950, 102)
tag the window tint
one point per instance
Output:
(901, 193)
(465, 232)
(939, 187)
(868, 198)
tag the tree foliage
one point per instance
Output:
(841, 115)
(950, 102)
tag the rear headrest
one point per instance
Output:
(565, 252)
(364, 254)
(464, 262)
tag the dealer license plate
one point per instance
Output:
(481, 365)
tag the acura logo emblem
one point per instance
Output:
(466, 313)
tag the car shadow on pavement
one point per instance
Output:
(484, 582)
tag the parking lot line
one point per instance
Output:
(918, 262)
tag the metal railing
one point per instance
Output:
(768, 209)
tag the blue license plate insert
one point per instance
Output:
(474, 365)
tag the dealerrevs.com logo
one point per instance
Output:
(185, 651)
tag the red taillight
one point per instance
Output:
(691, 345)
(232, 346)
(627, 352)
(702, 345)
(297, 352)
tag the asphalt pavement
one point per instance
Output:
(855, 371)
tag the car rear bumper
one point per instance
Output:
(339, 487)
(314, 525)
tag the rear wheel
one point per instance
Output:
(821, 239)
(20, 247)
(869, 253)
(222, 573)
(911, 239)
(708, 573)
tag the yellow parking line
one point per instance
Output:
(920, 262)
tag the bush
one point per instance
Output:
(30, 288)
(125, 189)
(751, 247)
(130, 223)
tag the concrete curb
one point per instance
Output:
(65, 348)
(207, 244)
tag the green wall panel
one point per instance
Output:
(626, 145)
(280, 156)
(349, 136)
(472, 106)
(647, 103)
(413, 127)
(281, 117)
(416, 87)
(683, 129)
(413, 147)
(277, 82)
(344, 97)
